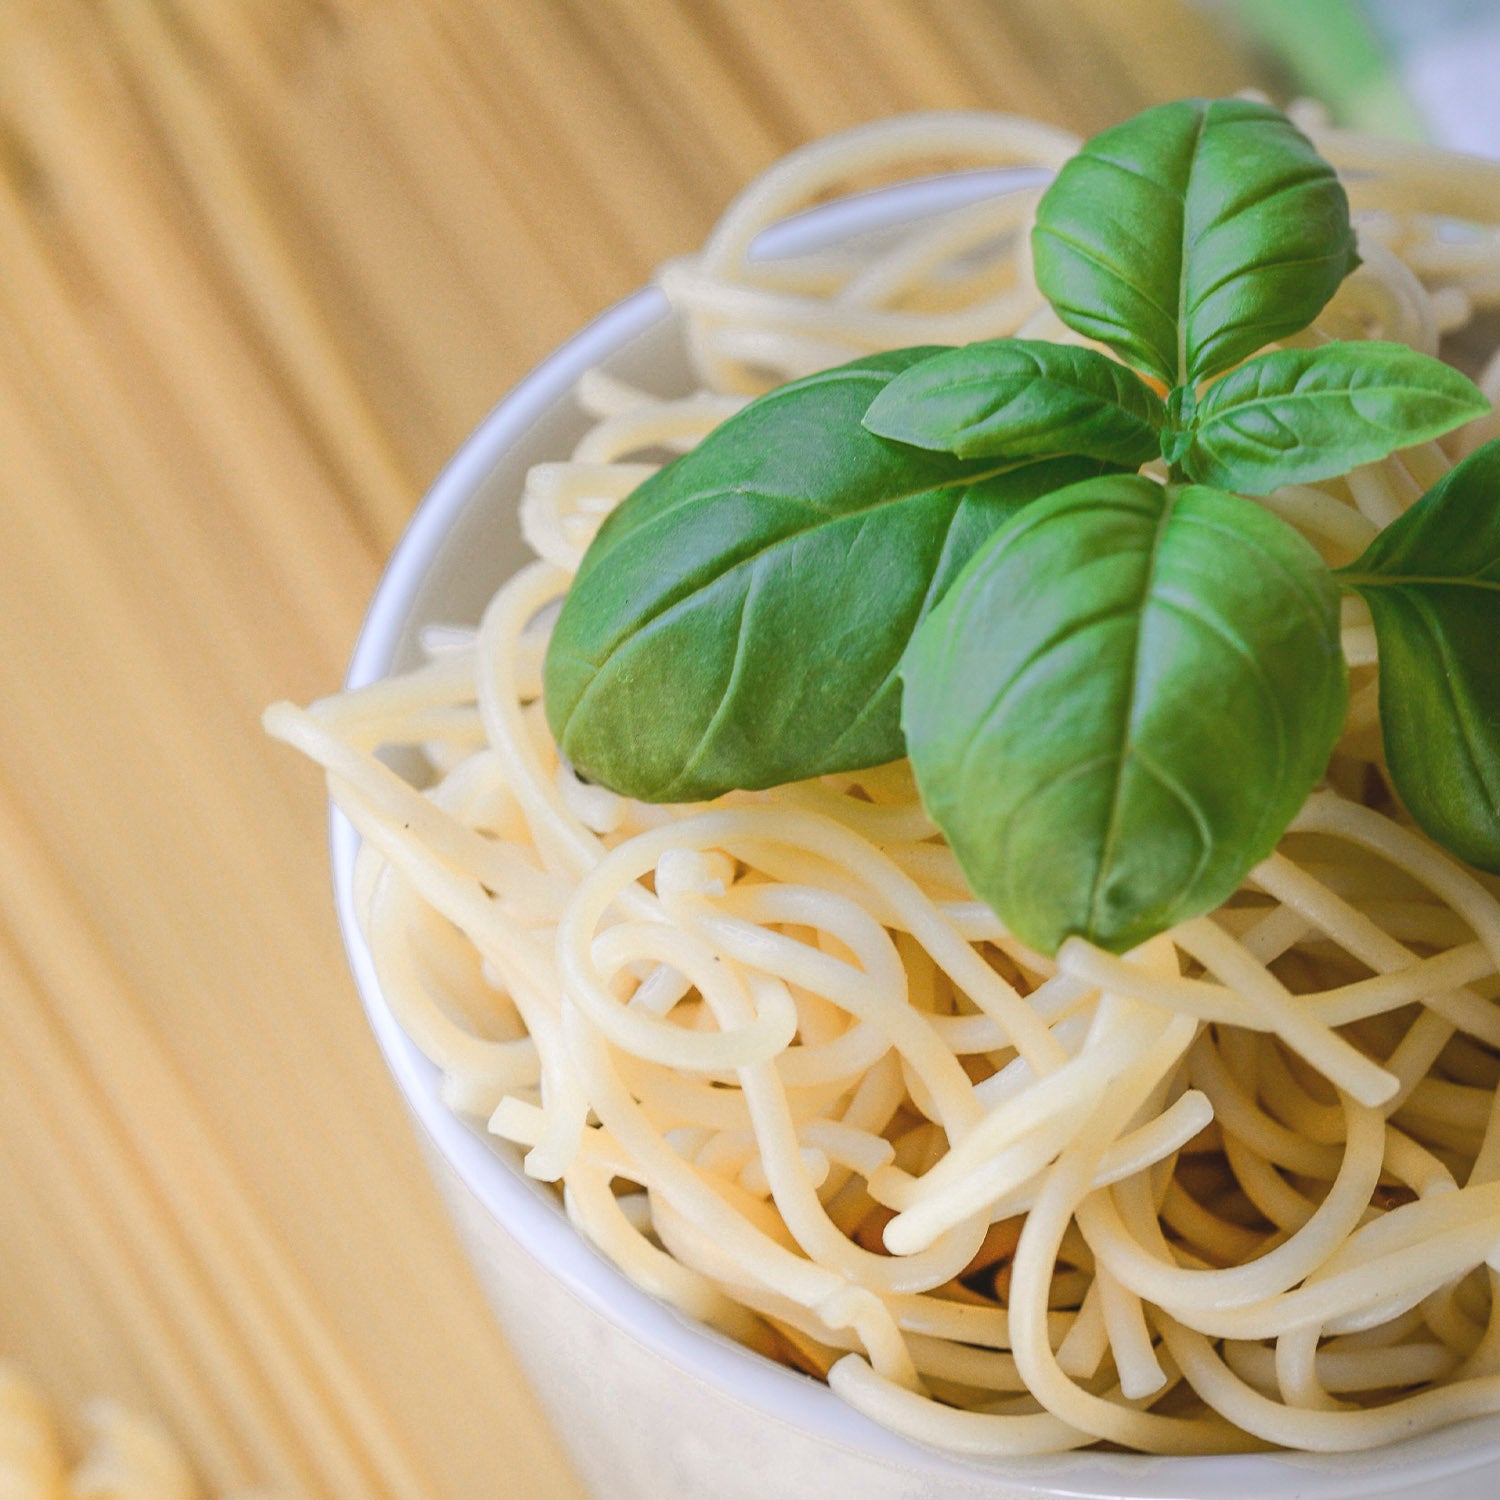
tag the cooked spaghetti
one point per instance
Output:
(1240, 1187)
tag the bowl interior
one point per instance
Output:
(461, 544)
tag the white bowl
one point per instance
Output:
(650, 1405)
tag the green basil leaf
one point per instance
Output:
(1193, 235)
(1121, 704)
(1022, 398)
(1432, 581)
(1297, 415)
(738, 620)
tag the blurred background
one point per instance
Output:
(263, 263)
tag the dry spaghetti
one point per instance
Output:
(1239, 1187)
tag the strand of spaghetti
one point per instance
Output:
(1316, 513)
(397, 802)
(1134, 1152)
(943, 1194)
(1371, 944)
(595, 1209)
(714, 1108)
(987, 1186)
(905, 822)
(1325, 812)
(1067, 1186)
(987, 1326)
(804, 175)
(511, 950)
(1297, 1377)
(987, 1370)
(1375, 495)
(1319, 1431)
(937, 1359)
(1382, 299)
(524, 1124)
(1402, 175)
(1338, 1060)
(689, 287)
(814, 1287)
(1082, 1352)
(899, 272)
(1408, 1226)
(1427, 463)
(873, 989)
(1349, 1371)
(1206, 1237)
(1486, 1166)
(842, 1060)
(1238, 1114)
(1273, 1197)
(824, 837)
(781, 353)
(1202, 999)
(934, 1359)
(1374, 1280)
(1140, 1371)
(977, 1434)
(1283, 1093)
(1438, 982)
(662, 424)
(552, 500)
(1416, 1054)
(441, 682)
(1154, 1277)
(1444, 1316)
(498, 1066)
(809, 1224)
(552, 826)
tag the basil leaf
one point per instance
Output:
(1432, 581)
(1120, 705)
(738, 620)
(1192, 235)
(1021, 398)
(1297, 415)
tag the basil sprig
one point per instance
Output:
(1115, 694)
(1186, 239)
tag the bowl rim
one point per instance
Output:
(773, 1390)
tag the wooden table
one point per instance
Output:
(262, 265)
